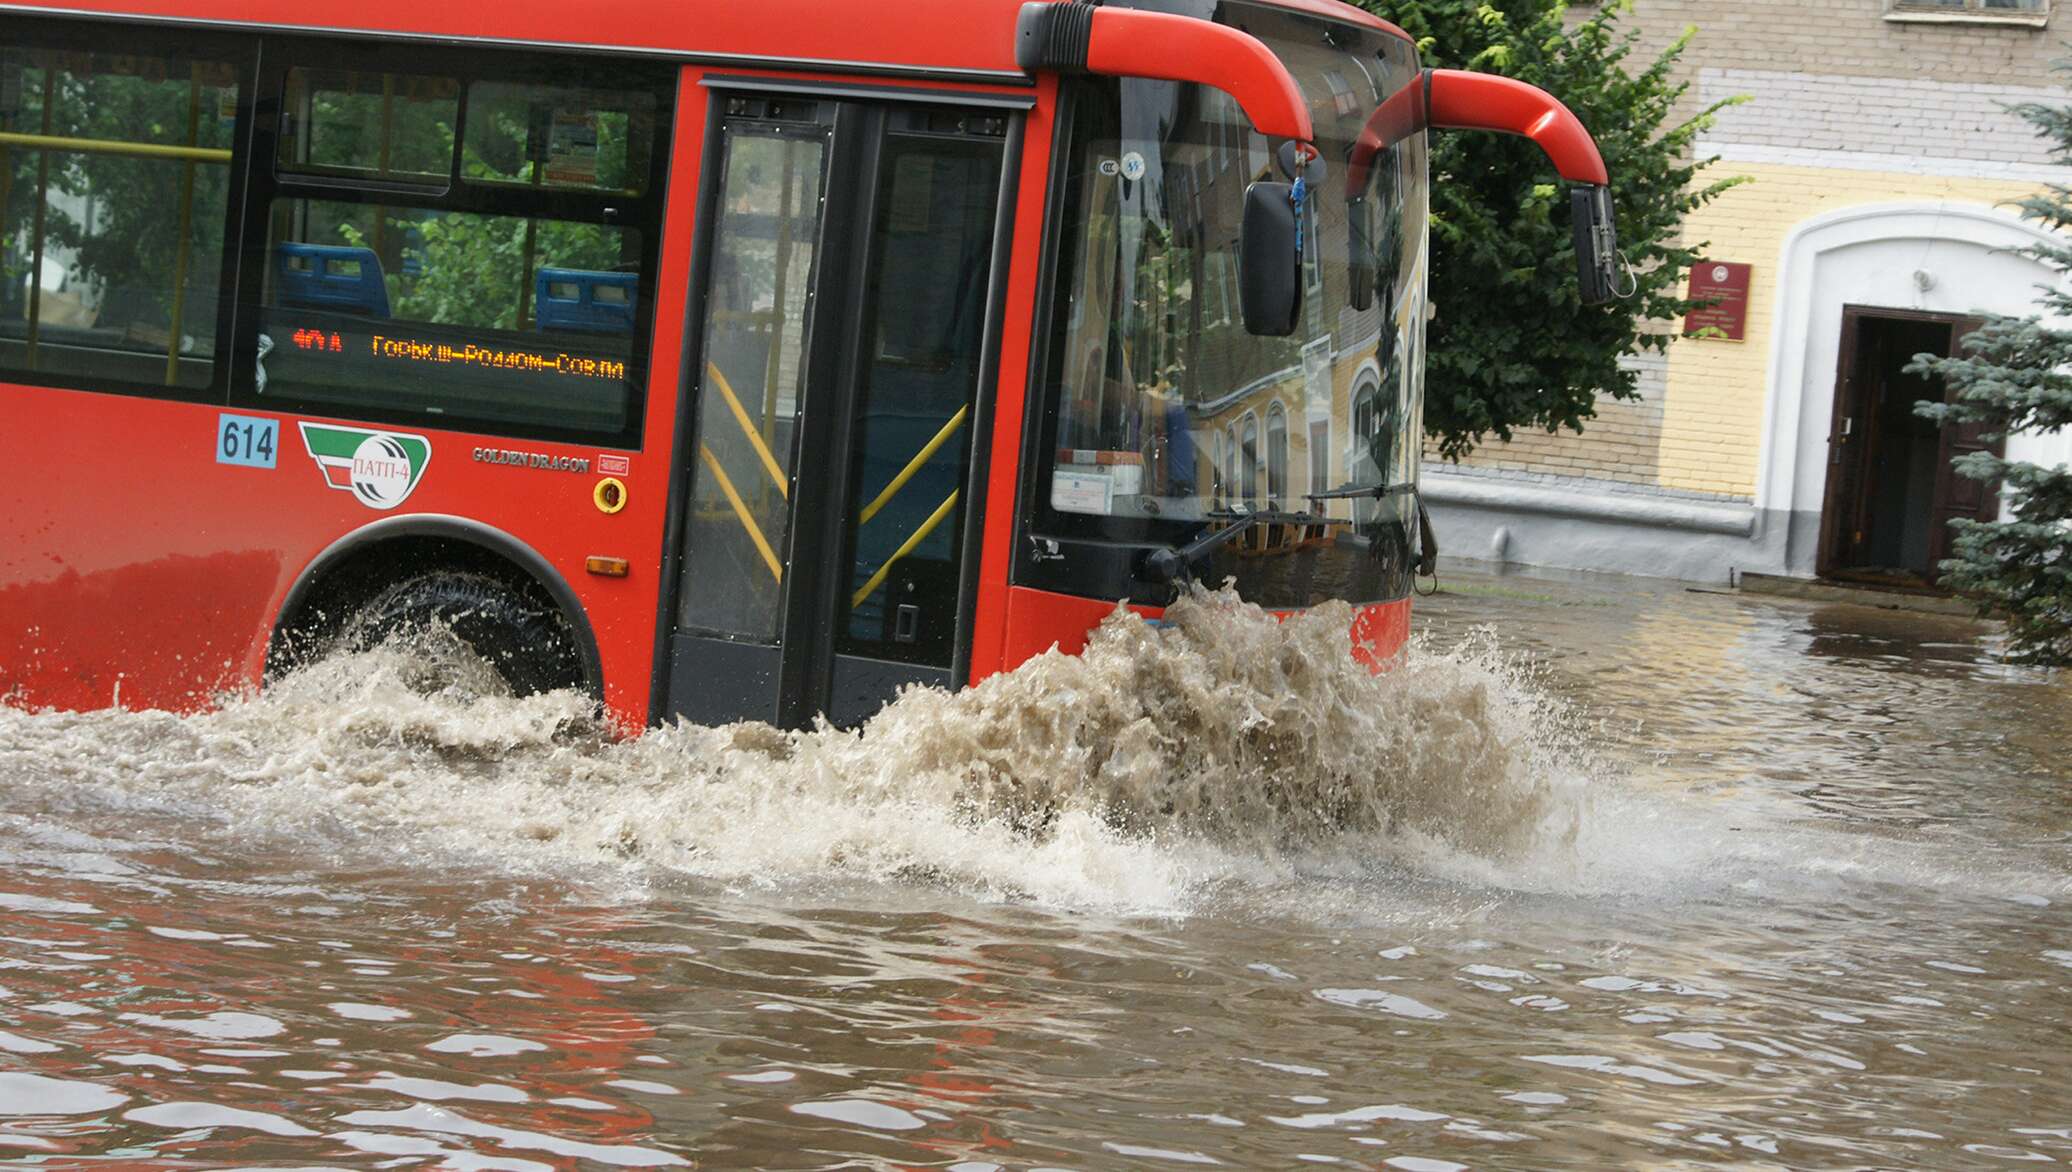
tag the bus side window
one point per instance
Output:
(499, 282)
(386, 126)
(462, 320)
(559, 136)
(114, 192)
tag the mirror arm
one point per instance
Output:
(1458, 100)
(1453, 99)
(1405, 113)
(1078, 37)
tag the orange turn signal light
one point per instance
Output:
(607, 567)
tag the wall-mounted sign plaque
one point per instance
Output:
(1725, 284)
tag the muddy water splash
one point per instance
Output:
(1791, 887)
(1162, 760)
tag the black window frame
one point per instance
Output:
(643, 213)
(241, 52)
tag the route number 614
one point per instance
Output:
(247, 441)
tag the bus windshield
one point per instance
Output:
(1162, 407)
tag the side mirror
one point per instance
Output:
(1269, 261)
(1597, 242)
(1477, 101)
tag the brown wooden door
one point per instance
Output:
(1957, 495)
(1848, 440)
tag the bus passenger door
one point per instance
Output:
(847, 290)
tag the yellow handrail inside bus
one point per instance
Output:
(748, 429)
(755, 532)
(920, 535)
(102, 146)
(907, 473)
(50, 82)
(179, 308)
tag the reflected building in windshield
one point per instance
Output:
(1168, 412)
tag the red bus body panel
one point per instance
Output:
(909, 34)
(134, 569)
(137, 569)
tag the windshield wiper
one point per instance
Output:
(1377, 492)
(1427, 542)
(1176, 563)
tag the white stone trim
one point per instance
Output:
(1966, 244)
(2033, 18)
(1826, 160)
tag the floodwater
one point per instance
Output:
(1633, 877)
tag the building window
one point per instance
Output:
(1230, 462)
(1320, 455)
(2030, 12)
(1276, 457)
(1343, 99)
(1248, 461)
(1368, 454)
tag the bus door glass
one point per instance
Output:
(772, 179)
(911, 435)
(847, 287)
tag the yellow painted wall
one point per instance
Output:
(1713, 408)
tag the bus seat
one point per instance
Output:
(332, 277)
(584, 301)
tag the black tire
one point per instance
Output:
(526, 640)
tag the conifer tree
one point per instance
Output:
(2016, 376)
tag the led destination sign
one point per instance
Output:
(389, 348)
(562, 380)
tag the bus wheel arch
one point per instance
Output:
(370, 563)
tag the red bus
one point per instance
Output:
(725, 360)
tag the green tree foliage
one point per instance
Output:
(1512, 346)
(2016, 376)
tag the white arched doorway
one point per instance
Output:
(1920, 257)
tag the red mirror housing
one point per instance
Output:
(1402, 115)
(1123, 42)
(1456, 100)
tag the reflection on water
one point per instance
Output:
(1707, 881)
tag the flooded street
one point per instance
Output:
(1701, 880)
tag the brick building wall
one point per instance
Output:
(1902, 125)
(1845, 38)
(1623, 443)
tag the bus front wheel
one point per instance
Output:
(526, 640)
